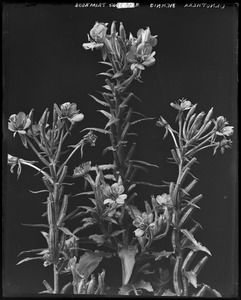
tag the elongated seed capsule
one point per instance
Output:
(200, 265)
(190, 256)
(186, 215)
(184, 175)
(191, 162)
(125, 131)
(63, 210)
(185, 284)
(128, 116)
(56, 192)
(51, 244)
(188, 188)
(130, 153)
(177, 276)
(50, 212)
(52, 171)
(201, 132)
(62, 241)
(48, 185)
(174, 155)
(48, 286)
(122, 32)
(178, 154)
(62, 174)
(174, 239)
(171, 189)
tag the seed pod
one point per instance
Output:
(52, 171)
(50, 212)
(48, 185)
(63, 210)
(177, 276)
(130, 153)
(184, 175)
(51, 244)
(63, 174)
(175, 157)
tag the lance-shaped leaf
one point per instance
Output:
(28, 259)
(188, 188)
(141, 120)
(100, 239)
(143, 163)
(127, 255)
(112, 120)
(88, 262)
(97, 129)
(105, 113)
(117, 232)
(104, 74)
(99, 101)
(67, 231)
(125, 290)
(87, 222)
(65, 288)
(169, 293)
(200, 265)
(191, 277)
(48, 287)
(160, 255)
(36, 225)
(195, 246)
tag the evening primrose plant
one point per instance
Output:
(111, 225)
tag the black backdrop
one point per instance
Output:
(44, 62)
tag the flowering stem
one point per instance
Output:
(37, 153)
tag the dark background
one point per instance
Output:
(44, 62)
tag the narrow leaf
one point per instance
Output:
(105, 113)
(67, 231)
(28, 259)
(97, 129)
(144, 163)
(99, 101)
(191, 277)
(111, 121)
(36, 225)
(140, 120)
(160, 255)
(117, 232)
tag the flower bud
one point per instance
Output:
(113, 28)
(98, 32)
(122, 32)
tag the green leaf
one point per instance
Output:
(169, 293)
(105, 74)
(28, 259)
(110, 148)
(140, 120)
(105, 63)
(97, 129)
(113, 120)
(48, 287)
(98, 238)
(117, 75)
(143, 163)
(37, 192)
(88, 262)
(67, 231)
(147, 183)
(105, 113)
(84, 193)
(36, 225)
(88, 222)
(125, 290)
(66, 287)
(200, 265)
(195, 246)
(99, 101)
(160, 255)
(191, 277)
(117, 232)
(32, 250)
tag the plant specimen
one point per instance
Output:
(120, 228)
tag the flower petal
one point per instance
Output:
(121, 199)
(27, 124)
(106, 201)
(77, 118)
(139, 232)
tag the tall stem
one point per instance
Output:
(56, 279)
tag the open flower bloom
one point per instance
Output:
(142, 223)
(114, 193)
(19, 123)
(69, 111)
(183, 104)
(164, 199)
(13, 161)
(140, 54)
(221, 127)
(82, 170)
(96, 37)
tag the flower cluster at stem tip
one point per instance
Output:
(137, 52)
